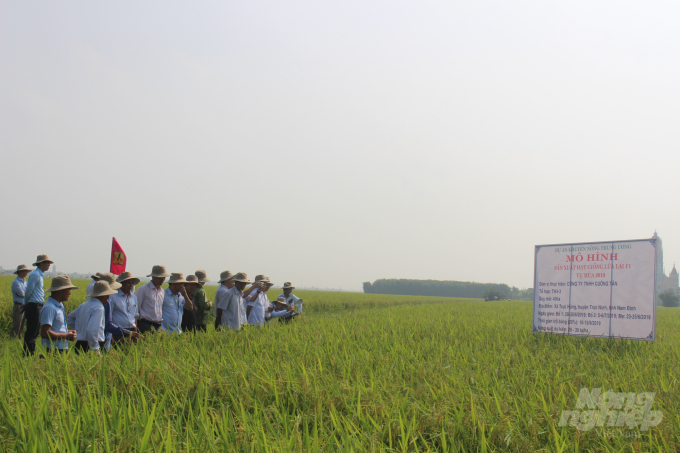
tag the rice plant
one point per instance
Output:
(356, 372)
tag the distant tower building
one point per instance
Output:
(663, 282)
(673, 280)
(660, 274)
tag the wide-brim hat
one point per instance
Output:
(159, 271)
(281, 300)
(102, 288)
(176, 277)
(23, 267)
(288, 285)
(202, 276)
(110, 279)
(263, 279)
(59, 283)
(42, 259)
(241, 277)
(97, 275)
(125, 276)
(226, 275)
(192, 279)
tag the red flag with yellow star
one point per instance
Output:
(118, 258)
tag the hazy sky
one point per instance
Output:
(331, 143)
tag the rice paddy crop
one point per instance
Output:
(357, 372)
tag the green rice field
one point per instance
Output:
(356, 372)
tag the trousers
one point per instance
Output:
(18, 320)
(84, 346)
(147, 326)
(32, 314)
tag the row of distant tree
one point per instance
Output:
(669, 299)
(447, 288)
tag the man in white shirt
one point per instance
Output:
(233, 313)
(150, 301)
(291, 299)
(257, 301)
(226, 283)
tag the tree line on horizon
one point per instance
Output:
(446, 288)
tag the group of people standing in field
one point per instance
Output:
(114, 313)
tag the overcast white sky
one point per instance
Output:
(331, 143)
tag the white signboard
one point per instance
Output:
(597, 289)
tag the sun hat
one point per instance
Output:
(59, 283)
(202, 276)
(241, 277)
(281, 300)
(125, 276)
(159, 271)
(97, 276)
(110, 278)
(42, 259)
(288, 285)
(226, 275)
(192, 279)
(102, 288)
(262, 278)
(23, 267)
(176, 277)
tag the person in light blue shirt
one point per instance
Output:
(121, 311)
(291, 299)
(34, 298)
(55, 335)
(231, 308)
(281, 310)
(174, 300)
(18, 292)
(88, 318)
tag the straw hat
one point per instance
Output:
(97, 276)
(42, 259)
(192, 279)
(23, 267)
(226, 275)
(125, 276)
(110, 278)
(176, 277)
(281, 300)
(102, 288)
(159, 271)
(259, 277)
(288, 285)
(241, 277)
(59, 283)
(202, 276)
